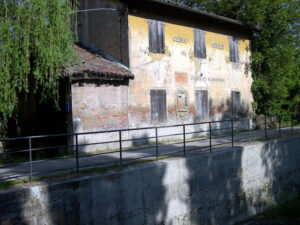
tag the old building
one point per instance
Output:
(188, 65)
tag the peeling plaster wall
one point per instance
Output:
(217, 188)
(160, 71)
(97, 107)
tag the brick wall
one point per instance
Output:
(99, 106)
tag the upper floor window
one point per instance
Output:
(199, 44)
(156, 36)
(233, 49)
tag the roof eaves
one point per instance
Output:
(202, 13)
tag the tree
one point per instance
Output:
(275, 49)
(35, 44)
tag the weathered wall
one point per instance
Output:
(178, 69)
(103, 28)
(99, 105)
(215, 188)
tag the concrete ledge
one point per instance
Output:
(222, 187)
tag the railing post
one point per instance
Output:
(279, 126)
(232, 144)
(249, 128)
(120, 140)
(292, 128)
(30, 159)
(184, 149)
(266, 134)
(156, 143)
(210, 147)
(77, 155)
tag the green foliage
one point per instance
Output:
(275, 49)
(35, 44)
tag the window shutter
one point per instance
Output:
(236, 50)
(156, 36)
(152, 35)
(199, 44)
(162, 106)
(201, 105)
(231, 49)
(204, 104)
(160, 37)
(158, 105)
(236, 102)
(154, 105)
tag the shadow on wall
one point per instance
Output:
(223, 112)
(221, 187)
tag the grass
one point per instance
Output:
(11, 183)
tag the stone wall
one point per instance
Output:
(222, 187)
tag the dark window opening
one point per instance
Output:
(233, 49)
(199, 44)
(236, 102)
(201, 105)
(156, 36)
(158, 106)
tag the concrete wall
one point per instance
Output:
(178, 70)
(216, 188)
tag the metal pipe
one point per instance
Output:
(120, 140)
(184, 149)
(156, 144)
(210, 134)
(232, 144)
(77, 155)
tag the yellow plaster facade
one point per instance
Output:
(216, 73)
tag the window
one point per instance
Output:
(158, 106)
(201, 105)
(199, 44)
(236, 102)
(156, 36)
(233, 49)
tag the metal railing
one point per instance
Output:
(212, 134)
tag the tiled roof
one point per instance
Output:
(93, 66)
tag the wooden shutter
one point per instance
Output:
(233, 49)
(236, 102)
(204, 95)
(158, 105)
(236, 49)
(160, 37)
(199, 44)
(156, 36)
(201, 105)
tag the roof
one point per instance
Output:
(92, 65)
(177, 5)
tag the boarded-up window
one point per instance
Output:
(182, 103)
(233, 49)
(236, 102)
(201, 105)
(156, 36)
(158, 106)
(199, 44)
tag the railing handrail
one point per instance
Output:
(118, 130)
